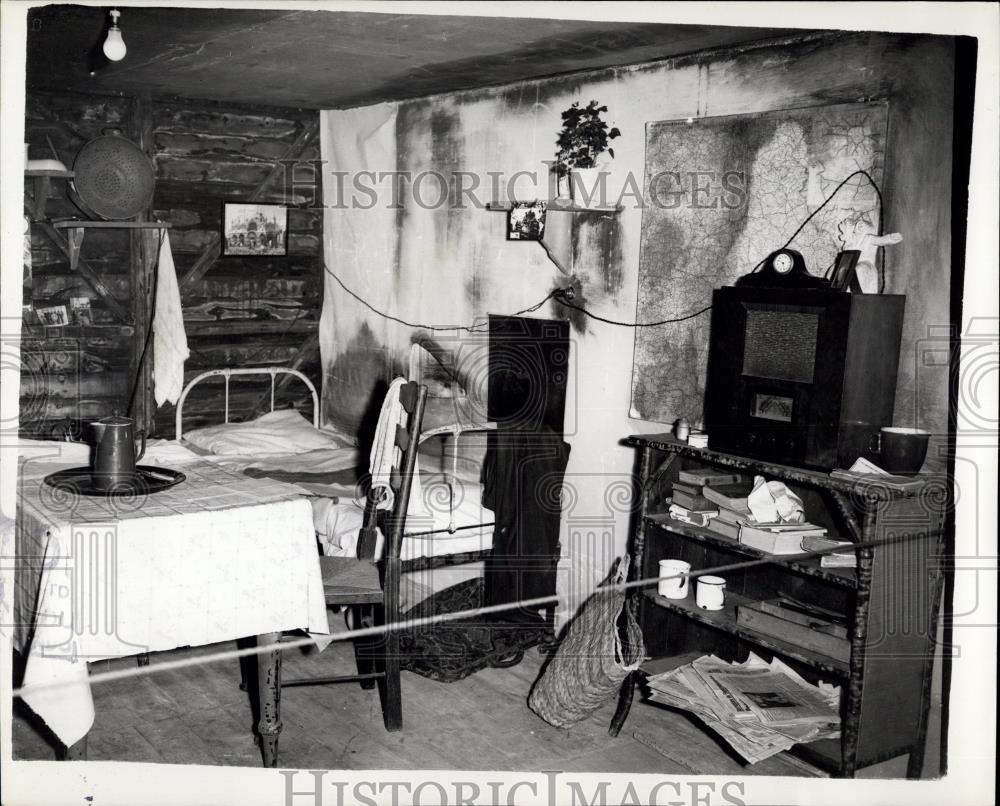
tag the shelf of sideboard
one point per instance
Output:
(725, 620)
(888, 486)
(844, 577)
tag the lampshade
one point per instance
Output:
(114, 45)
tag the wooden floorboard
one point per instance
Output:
(200, 716)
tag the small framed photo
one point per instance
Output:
(843, 270)
(526, 221)
(54, 316)
(254, 230)
(81, 311)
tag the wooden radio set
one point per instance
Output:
(800, 373)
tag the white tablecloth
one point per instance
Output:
(218, 557)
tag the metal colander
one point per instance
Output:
(113, 177)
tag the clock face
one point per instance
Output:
(782, 263)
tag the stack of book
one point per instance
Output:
(689, 504)
(778, 538)
(719, 500)
(821, 631)
(833, 558)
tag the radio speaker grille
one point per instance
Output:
(780, 345)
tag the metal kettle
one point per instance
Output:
(115, 452)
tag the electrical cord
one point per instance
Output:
(826, 201)
(482, 328)
(559, 297)
(564, 295)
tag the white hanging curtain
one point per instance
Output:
(359, 241)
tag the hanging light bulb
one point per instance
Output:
(114, 45)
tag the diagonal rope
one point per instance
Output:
(440, 618)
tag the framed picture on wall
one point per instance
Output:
(254, 230)
(54, 316)
(526, 221)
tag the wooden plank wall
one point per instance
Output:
(73, 373)
(241, 312)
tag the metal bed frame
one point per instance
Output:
(227, 374)
(455, 429)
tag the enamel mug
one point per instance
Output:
(676, 586)
(711, 593)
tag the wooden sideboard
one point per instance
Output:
(889, 602)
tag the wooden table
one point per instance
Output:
(218, 557)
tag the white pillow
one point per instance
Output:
(277, 432)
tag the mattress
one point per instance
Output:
(434, 527)
(445, 516)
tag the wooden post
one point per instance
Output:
(144, 253)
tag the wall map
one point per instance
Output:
(722, 193)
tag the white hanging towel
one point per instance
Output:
(170, 347)
(385, 453)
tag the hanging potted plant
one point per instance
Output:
(583, 139)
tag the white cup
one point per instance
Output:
(711, 593)
(677, 586)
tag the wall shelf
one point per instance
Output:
(557, 205)
(77, 229)
(49, 172)
(42, 178)
(74, 224)
(557, 240)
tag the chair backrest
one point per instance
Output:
(412, 397)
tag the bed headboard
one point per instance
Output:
(227, 374)
(446, 369)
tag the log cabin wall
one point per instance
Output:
(238, 311)
(244, 311)
(77, 372)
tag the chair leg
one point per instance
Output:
(364, 654)
(247, 663)
(392, 702)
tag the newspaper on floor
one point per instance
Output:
(759, 708)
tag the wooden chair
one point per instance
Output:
(373, 586)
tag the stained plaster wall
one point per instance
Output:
(451, 264)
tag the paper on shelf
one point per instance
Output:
(772, 501)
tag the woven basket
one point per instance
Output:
(592, 660)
